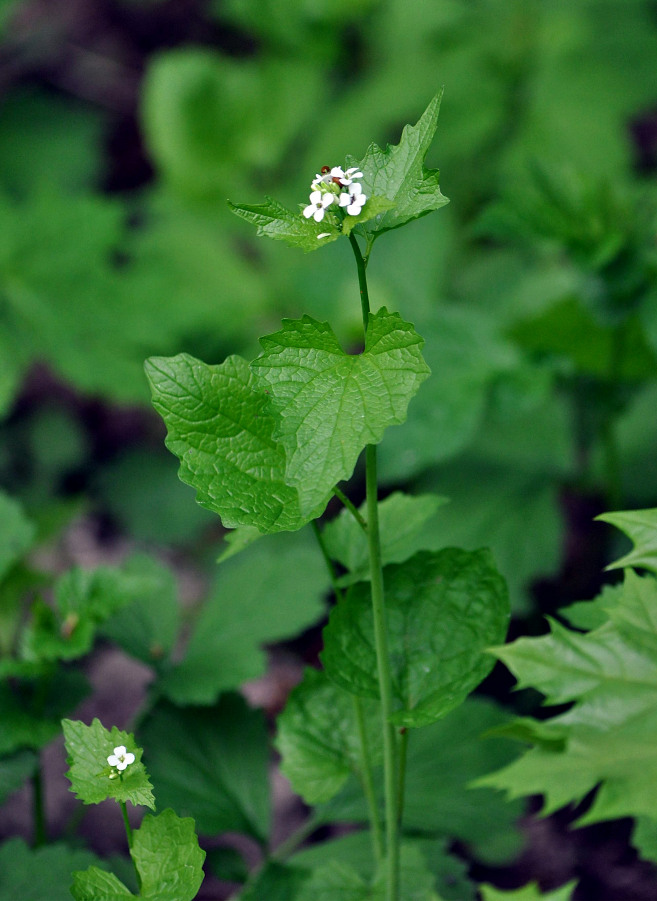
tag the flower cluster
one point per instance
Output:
(121, 758)
(334, 184)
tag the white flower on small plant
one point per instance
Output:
(319, 201)
(121, 758)
(353, 199)
(347, 178)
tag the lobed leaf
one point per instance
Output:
(641, 527)
(273, 220)
(399, 174)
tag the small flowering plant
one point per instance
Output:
(384, 190)
(167, 860)
(266, 444)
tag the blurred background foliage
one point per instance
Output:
(126, 124)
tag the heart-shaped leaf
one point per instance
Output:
(220, 427)
(444, 610)
(331, 404)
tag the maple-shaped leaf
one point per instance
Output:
(608, 738)
(399, 174)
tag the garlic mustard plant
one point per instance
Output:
(266, 443)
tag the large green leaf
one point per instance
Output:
(443, 609)
(399, 173)
(42, 874)
(167, 857)
(355, 849)
(335, 879)
(220, 426)
(319, 737)
(331, 404)
(91, 776)
(211, 763)
(437, 805)
(258, 598)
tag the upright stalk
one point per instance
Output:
(380, 631)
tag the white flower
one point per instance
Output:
(348, 177)
(121, 758)
(317, 207)
(353, 199)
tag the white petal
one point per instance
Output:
(120, 751)
(309, 210)
(318, 215)
(129, 758)
(113, 760)
(344, 199)
(121, 765)
(315, 196)
(327, 199)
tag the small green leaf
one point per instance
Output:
(220, 426)
(16, 532)
(399, 173)
(273, 220)
(529, 892)
(167, 857)
(146, 627)
(444, 610)
(402, 521)
(331, 404)
(318, 737)
(641, 527)
(94, 884)
(15, 769)
(212, 763)
(88, 748)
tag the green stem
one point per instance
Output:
(380, 629)
(40, 837)
(128, 832)
(351, 507)
(367, 777)
(401, 785)
(367, 781)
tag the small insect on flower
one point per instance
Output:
(319, 201)
(121, 758)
